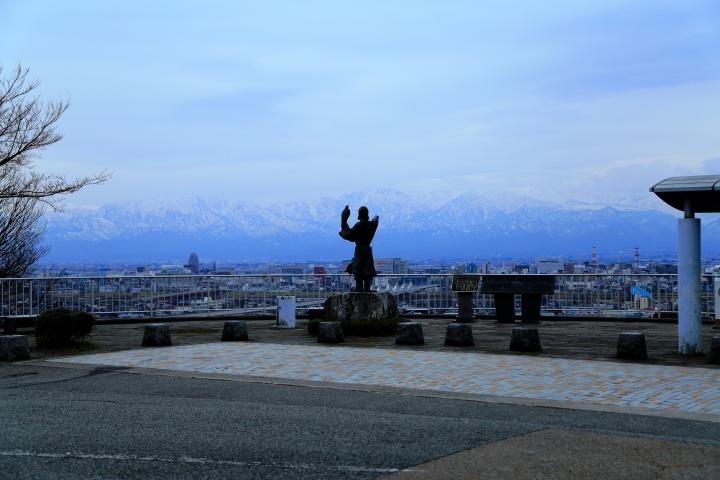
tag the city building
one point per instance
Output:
(549, 265)
(384, 266)
(193, 263)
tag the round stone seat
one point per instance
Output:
(234, 331)
(156, 335)
(330, 332)
(459, 335)
(409, 333)
(631, 346)
(14, 347)
(525, 339)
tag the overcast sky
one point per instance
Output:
(296, 100)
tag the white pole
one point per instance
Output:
(689, 312)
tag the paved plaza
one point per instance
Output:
(585, 384)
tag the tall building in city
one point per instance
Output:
(384, 266)
(400, 266)
(549, 265)
(391, 265)
(193, 263)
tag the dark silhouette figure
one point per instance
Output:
(362, 266)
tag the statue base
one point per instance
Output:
(359, 306)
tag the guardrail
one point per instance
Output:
(247, 295)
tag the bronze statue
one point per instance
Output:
(362, 266)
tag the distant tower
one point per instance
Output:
(193, 263)
(637, 258)
(594, 256)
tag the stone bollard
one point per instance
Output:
(234, 331)
(14, 347)
(525, 339)
(409, 333)
(459, 335)
(330, 332)
(631, 346)
(715, 350)
(156, 335)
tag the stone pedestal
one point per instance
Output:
(359, 306)
(504, 307)
(330, 332)
(525, 339)
(715, 351)
(631, 346)
(459, 335)
(234, 331)
(465, 308)
(409, 333)
(530, 306)
(156, 335)
(14, 347)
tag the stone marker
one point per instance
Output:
(409, 333)
(631, 346)
(466, 287)
(525, 339)
(234, 331)
(156, 335)
(459, 335)
(14, 347)
(330, 332)
(715, 350)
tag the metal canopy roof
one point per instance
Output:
(695, 194)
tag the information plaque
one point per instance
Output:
(465, 283)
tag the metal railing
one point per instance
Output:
(624, 295)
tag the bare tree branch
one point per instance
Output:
(27, 126)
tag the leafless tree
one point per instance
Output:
(21, 234)
(27, 126)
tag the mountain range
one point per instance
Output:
(441, 225)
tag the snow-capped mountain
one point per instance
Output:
(440, 225)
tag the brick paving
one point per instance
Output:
(665, 388)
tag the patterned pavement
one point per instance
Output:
(662, 388)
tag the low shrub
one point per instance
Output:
(61, 327)
(383, 327)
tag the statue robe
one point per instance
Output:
(361, 233)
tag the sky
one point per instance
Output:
(296, 100)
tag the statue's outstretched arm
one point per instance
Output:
(345, 230)
(344, 216)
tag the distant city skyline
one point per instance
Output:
(280, 101)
